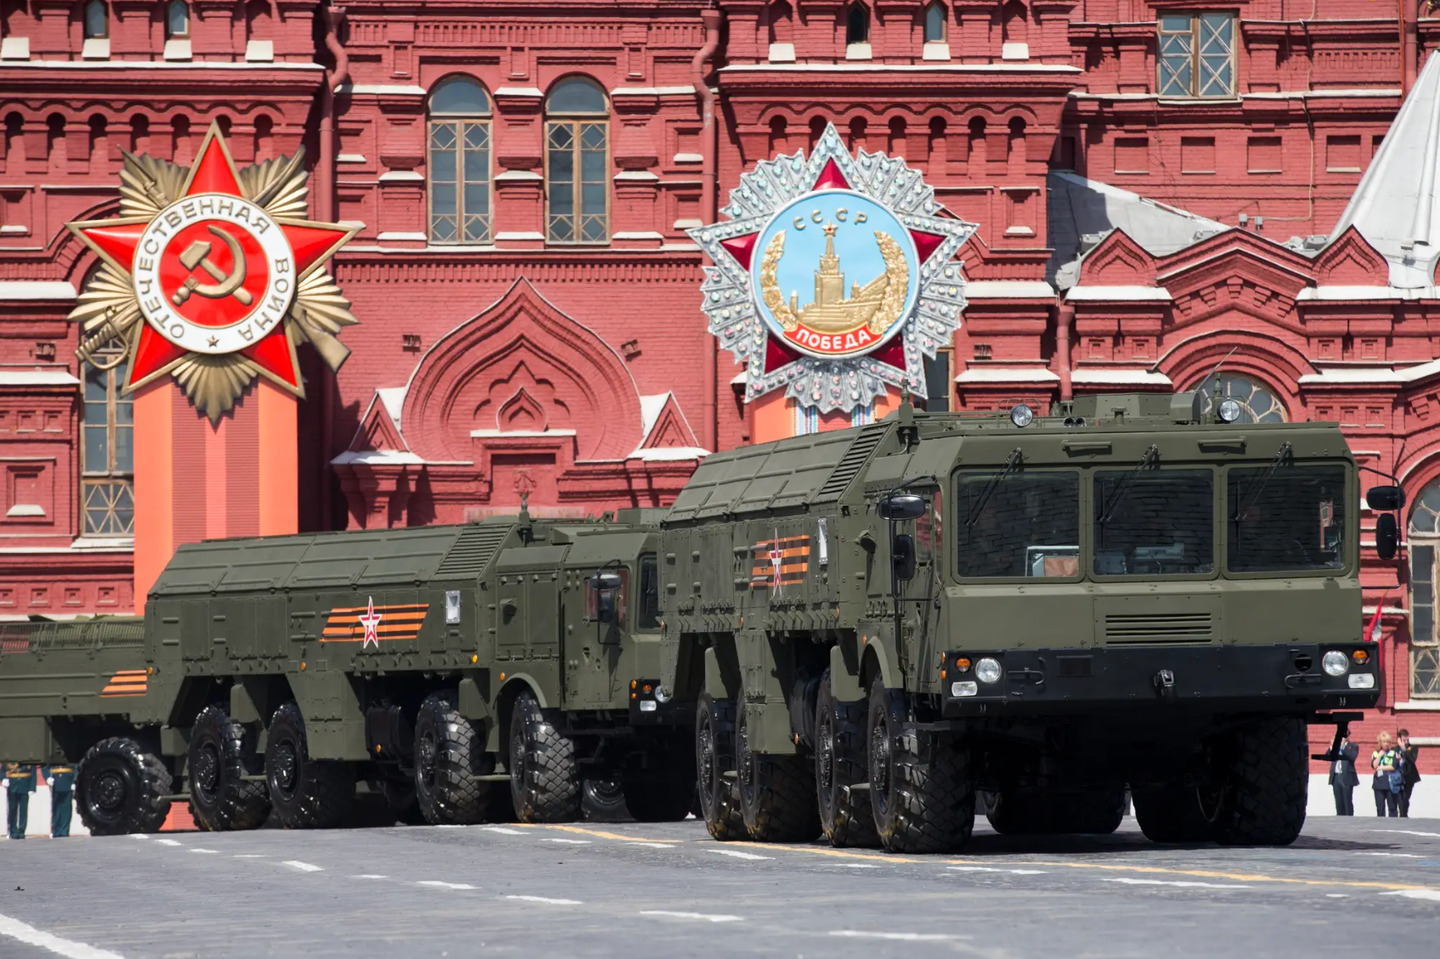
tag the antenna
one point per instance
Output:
(1214, 375)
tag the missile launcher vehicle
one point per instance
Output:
(1133, 598)
(447, 674)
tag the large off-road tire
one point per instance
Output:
(222, 756)
(714, 757)
(1028, 812)
(840, 766)
(1171, 813)
(921, 792)
(663, 788)
(602, 796)
(306, 793)
(449, 759)
(121, 789)
(404, 807)
(1268, 786)
(544, 771)
(777, 792)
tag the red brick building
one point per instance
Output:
(1158, 185)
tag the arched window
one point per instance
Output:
(97, 20)
(577, 163)
(107, 466)
(177, 20)
(857, 24)
(935, 22)
(1423, 540)
(1257, 403)
(459, 164)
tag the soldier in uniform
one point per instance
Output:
(61, 780)
(19, 784)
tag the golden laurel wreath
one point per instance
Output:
(108, 309)
(897, 282)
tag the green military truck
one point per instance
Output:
(454, 673)
(1130, 596)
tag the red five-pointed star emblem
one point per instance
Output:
(370, 620)
(215, 269)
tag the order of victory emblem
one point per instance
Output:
(833, 276)
(211, 275)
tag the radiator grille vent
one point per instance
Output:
(473, 551)
(1168, 629)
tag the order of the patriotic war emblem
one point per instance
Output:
(833, 277)
(212, 275)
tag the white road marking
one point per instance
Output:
(441, 884)
(369, 875)
(902, 936)
(653, 845)
(167, 842)
(31, 936)
(1431, 894)
(1173, 882)
(568, 842)
(1336, 895)
(1411, 832)
(213, 852)
(450, 825)
(1398, 855)
(689, 915)
(857, 865)
(250, 855)
(303, 866)
(138, 835)
(548, 900)
(1013, 872)
(502, 830)
(737, 854)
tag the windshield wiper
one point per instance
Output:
(1252, 492)
(1123, 487)
(1011, 463)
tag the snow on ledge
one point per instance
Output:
(988, 374)
(667, 454)
(36, 290)
(1156, 294)
(377, 458)
(1120, 378)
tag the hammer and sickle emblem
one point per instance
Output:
(197, 256)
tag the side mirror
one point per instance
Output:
(901, 506)
(902, 557)
(1387, 535)
(606, 586)
(1385, 498)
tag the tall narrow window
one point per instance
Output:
(577, 188)
(935, 22)
(459, 163)
(939, 381)
(857, 24)
(97, 20)
(177, 20)
(1197, 55)
(108, 453)
(1424, 638)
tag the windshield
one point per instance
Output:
(1028, 526)
(1286, 518)
(648, 616)
(1159, 522)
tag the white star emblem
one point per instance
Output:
(370, 620)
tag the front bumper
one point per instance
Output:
(1285, 677)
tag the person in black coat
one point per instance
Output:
(1409, 769)
(1343, 779)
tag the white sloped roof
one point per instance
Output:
(1396, 207)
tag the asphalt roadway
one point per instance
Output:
(1348, 887)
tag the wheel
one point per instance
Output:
(306, 793)
(1097, 812)
(663, 789)
(221, 757)
(923, 799)
(1009, 813)
(602, 796)
(449, 759)
(1269, 784)
(714, 758)
(544, 774)
(121, 789)
(400, 798)
(1171, 813)
(845, 815)
(777, 792)
(1020, 812)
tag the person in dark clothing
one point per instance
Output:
(1409, 769)
(1343, 779)
(19, 784)
(61, 780)
(1385, 759)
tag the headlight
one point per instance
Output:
(662, 695)
(987, 670)
(1335, 663)
(1362, 680)
(647, 705)
(1021, 415)
(967, 688)
(1229, 411)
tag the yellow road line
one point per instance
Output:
(600, 833)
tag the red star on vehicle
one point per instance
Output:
(209, 250)
(370, 620)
